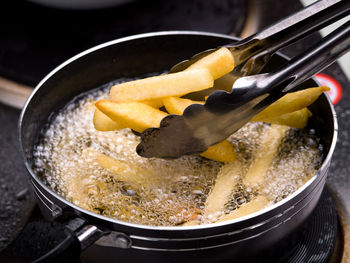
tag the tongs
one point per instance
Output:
(201, 126)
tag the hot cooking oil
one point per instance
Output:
(157, 191)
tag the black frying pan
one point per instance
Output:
(238, 239)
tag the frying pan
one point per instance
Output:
(244, 239)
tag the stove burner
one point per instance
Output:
(30, 49)
(319, 236)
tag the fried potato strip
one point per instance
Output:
(154, 103)
(296, 119)
(290, 102)
(219, 63)
(221, 152)
(225, 183)
(264, 155)
(174, 84)
(123, 171)
(191, 223)
(256, 204)
(135, 115)
(103, 123)
(175, 105)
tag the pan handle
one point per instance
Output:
(53, 241)
(78, 237)
(68, 250)
(74, 242)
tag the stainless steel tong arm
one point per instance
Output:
(252, 53)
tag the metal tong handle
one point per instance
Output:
(201, 126)
(263, 44)
(310, 62)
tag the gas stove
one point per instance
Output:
(28, 51)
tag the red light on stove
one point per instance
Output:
(336, 90)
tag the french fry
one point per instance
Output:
(191, 223)
(123, 171)
(174, 84)
(290, 102)
(103, 123)
(224, 185)
(219, 63)
(175, 105)
(256, 204)
(135, 115)
(221, 152)
(296, 119)
(264, 155)
(154, 103)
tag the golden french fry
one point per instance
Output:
(296, 119)
(135, 115)
(174, 84)
(175, 105)
(225, 183)
(219, 63)
(290, 102)
(123, 171)
(264, 155)
(191, 223)
(221, 152)
(103, 123)
(154, 103)
(256, 204)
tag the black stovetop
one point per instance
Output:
(26, 59)
(44, 37)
